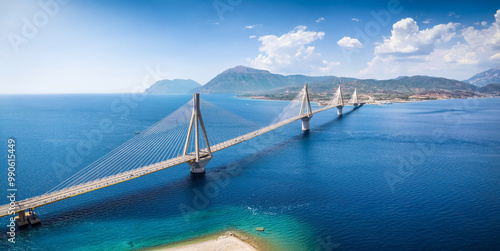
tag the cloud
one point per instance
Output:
(252, 36)
(444, 50)
(250, 26)
(406, 38)
(484, 23)
(348, 42)
(328, 66)
(495, 57)
(481, 45)
(427, 21)
(355, 19)
(291, 53)
(320, 19)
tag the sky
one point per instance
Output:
(92, 46)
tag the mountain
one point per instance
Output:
(410, 85)
(253, 82)
(415, 87)
(485, 77)
(241, 79)
(401, 85)
(491, 89)
(400, 77)
(176, 86)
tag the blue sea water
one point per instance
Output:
(407, 176)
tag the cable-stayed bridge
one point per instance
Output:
(172, 141)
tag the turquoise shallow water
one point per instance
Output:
(402, 176)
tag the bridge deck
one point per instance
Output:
(73, 191)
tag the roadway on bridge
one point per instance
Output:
(79, 189)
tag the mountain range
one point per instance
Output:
(241, 79)
(176, 86)
(250, 82)
(486, 77)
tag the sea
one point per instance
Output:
(401, 176)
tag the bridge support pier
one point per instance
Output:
(21, 219)
(339, 110)
(305, 123)
(198, 167)
(32, 217)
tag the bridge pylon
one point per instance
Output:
(355, 98)
(202, 157)
(339, 101)
(305, 110)
(355, 101)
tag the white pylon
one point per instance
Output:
(339, 102)
(305, 109)
(355, 98)
(197, 165)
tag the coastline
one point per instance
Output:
(381, 102)
(231, 240)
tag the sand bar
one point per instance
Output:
(226, 242)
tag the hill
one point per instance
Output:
(491, 89)
(485, 77)
(421, 87)
(176, 86)
(241, 79)
(264, 84)
(403, 85)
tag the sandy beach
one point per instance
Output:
(227, 242)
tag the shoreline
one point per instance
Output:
(231, 240)
(381, 102)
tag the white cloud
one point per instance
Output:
(252, 36)
(328, 66)
(348, 42)
(495, 57)
(443, 50)
(427, 21)
(250, 26)
(406, 38)
(484, 23)
(291, 52)
(355, 19)
(320, 19)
